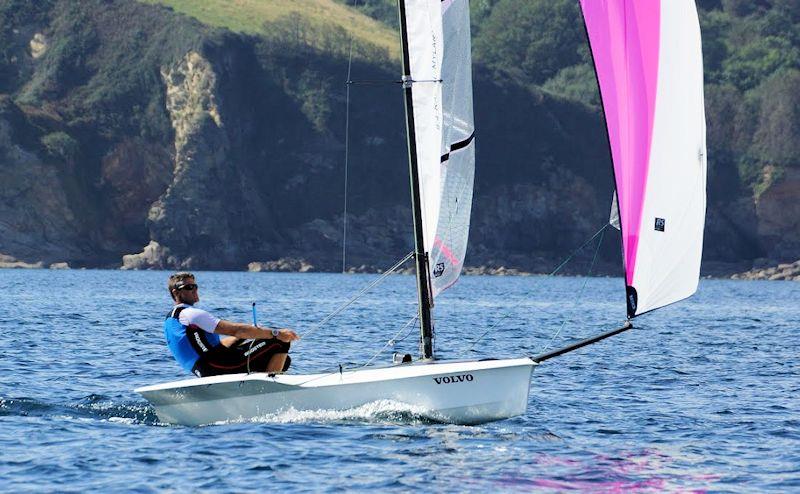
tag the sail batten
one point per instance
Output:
(648, 60)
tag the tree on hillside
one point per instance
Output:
(790, 8)
(534, 39)
(727, 139)
(714, 26)
(381, 10)
(64, 63)
(709, 4)
(742, 8)
(777, 139)
(13, 50)
(752, 63)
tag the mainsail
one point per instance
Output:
(440, 65)
(648, 59)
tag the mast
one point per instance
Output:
(420, 256)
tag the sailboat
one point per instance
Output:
(649, 67)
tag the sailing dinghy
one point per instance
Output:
(649, 67)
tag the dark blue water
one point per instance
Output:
(703, 396)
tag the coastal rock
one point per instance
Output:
(376, 239)
(281, 265)
(153, 256)
(37, 219)
(199, 147)
(493, 271)
(135, 173)
(731, 233)
(191, 98)
(8, 262)
(783, 271)
(38, 45)
(213, 212)
(778, 209)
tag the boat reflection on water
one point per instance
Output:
(642, 471)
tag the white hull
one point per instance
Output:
(460, 392)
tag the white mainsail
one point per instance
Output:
(440, 65)
(648, 59)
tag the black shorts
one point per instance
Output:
(234, 360)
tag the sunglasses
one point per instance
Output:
(188, 287)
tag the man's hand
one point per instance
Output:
(287, 335)
(245, 331)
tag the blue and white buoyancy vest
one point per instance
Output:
(187, 343)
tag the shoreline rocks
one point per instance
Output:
(153, 256)
(9, 262)
(781, 272)
(282, 265)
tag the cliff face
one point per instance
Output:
(159, 143)
(201, 148)
(778, 210)
(34, 215)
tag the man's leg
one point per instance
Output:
(248, 356)
(274, 357)
(277, 362)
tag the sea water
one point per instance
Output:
(703, 396)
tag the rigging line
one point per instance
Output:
(372, 82)
(580, 292)
(250, 350)
(347, 148)
(375, 82)
(553, 273)
(346, 166)
(407, 326)
(356, 296)
(579, 249)
(326, 374)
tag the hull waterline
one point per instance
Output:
(462, 392)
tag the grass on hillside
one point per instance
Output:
(248, 16)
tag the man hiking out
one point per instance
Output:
(193, 337)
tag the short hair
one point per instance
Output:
(177, 278)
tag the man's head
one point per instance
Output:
(182, 288)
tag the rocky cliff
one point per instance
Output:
(134, 137)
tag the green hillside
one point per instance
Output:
(88, 131)
(249, 16)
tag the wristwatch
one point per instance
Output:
(275, 332)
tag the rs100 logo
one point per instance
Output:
(454, 379)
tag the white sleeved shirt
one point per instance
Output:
(192, 316)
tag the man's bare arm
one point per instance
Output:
(229, 341)
(244, 331)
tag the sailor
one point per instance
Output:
(193, 336)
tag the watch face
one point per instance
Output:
(275, 332)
